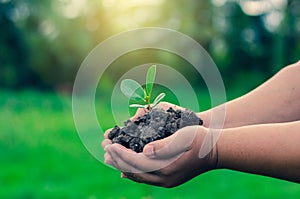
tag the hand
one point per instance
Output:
(168, 162)
(163, 105)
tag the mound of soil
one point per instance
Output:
(154, 125)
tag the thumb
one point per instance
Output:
(176, 144)
(140, 112)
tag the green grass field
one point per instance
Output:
(41, 156)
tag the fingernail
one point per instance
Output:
(107, 156)
(149, 150)
(123, 175)
(108, 161)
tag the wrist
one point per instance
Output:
(207, 147)
(205, 116)
(228, 148)
(214, 136)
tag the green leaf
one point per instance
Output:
(150, 79)
(145, 93)
(158, 99)
(137, 106)
(132, 89)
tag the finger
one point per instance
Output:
(148, 178)
(140, 112)
(134, 177)
(107, 156)
(127, 160)
(167, 105)
(105, 143)
(174, 145)
(118, 162)
(123, 175)
(107, 132)
(108, 159)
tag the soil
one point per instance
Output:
(154, 125)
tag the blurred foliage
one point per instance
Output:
(44, 42)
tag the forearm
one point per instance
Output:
(277, 100)
(270, 150)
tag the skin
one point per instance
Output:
(261, 136)
(275, 101)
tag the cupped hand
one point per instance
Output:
(168, 162)
(164, 105)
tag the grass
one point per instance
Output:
(41, 156)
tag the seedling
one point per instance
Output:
(142, 95)
(153, 125)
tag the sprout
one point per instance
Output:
(142, 95)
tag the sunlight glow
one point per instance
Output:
(273, 20)
(273, 11)
(218, 3)
(255, 8)
(21, 12)
(132, 13)
(48, 29)
(72, 8)
(121, 4)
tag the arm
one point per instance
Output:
(270, 150)
(277, 100)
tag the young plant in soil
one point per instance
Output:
(141, 95)
(153, 125)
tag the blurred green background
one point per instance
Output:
(42, 44)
